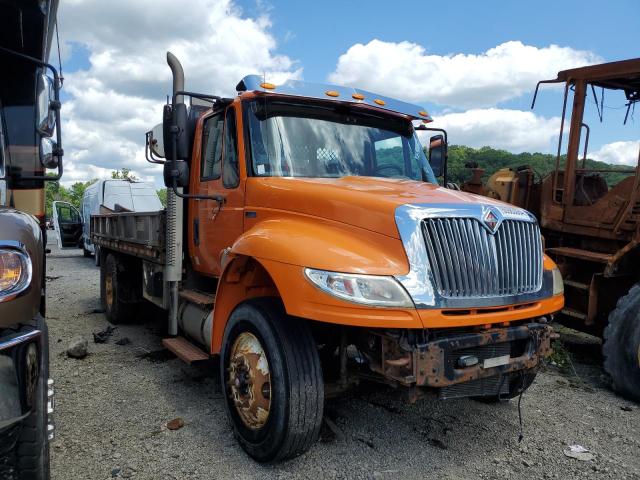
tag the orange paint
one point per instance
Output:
(271, 228)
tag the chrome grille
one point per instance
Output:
(468, 261)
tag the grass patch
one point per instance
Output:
(560, 357)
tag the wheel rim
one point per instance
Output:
(249, 381)
(108, 290)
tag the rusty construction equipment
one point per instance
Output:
(591, 228)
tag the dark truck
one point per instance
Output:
(29, 118)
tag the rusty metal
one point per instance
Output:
(592, 231)
(249, 380)
(433, 363)
(108, 290)
(434, 370)
(185, 350)
(199, 298)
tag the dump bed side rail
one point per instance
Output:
(141, 234)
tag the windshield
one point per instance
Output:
(331, 141)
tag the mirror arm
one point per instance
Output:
(55, 105)
(201, 96)
(148, 152)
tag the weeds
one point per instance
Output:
(560, 357)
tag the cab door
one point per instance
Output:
(67, 224)
(214, 226)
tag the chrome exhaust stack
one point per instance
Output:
(175, 214)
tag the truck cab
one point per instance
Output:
(29, 123)
(310, 247)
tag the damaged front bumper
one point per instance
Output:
(481, 360)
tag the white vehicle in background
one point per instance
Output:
(104, 196)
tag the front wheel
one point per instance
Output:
(621, 347)
(272, 379)
(32, 448)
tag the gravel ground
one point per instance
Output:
(113, 406)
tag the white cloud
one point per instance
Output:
(512, 130)
(120, 96)
(618, 153)
(407, 71)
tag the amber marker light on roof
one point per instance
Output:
(267, 85)
(331, 93)
(357, 96)
(423, 113)
(379, 102)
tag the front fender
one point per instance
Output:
(324, 245)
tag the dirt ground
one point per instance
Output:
(113, 406)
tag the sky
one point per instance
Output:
(472, 64)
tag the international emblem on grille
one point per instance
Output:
(491, 220)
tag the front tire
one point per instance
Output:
(621, 345)
(272, 379)
(32, 447)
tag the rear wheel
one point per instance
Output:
(271, 374)
(621, 347)
(118, 292)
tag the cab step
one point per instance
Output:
(197, 297)
(185, 350)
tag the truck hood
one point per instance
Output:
(365, 202)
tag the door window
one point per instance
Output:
(212, 147)
(230, 168)
(67, 214)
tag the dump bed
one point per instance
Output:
(141, 234)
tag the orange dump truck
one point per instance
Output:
(307, 246)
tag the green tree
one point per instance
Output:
(162, 195)
(124, 174)
(56, 192)
(492, 160)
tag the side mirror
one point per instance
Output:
(438, 155)
(155, 140)
(179, 171)
(49, 153)
(180, 114)
(45, 102)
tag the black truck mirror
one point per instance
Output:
(178, 170)
(175, 118)
(437, 155)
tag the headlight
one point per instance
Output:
(371, 290)
(558, 285)
(15, 273)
